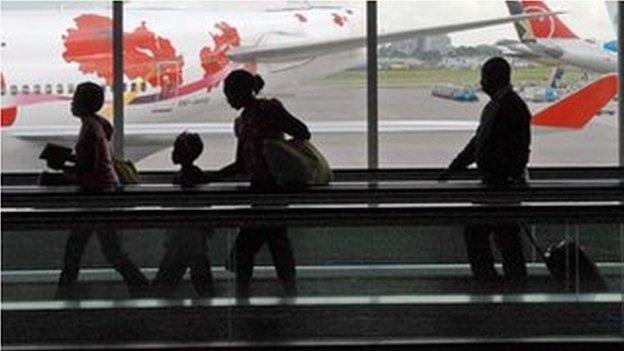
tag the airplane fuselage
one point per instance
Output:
(175, 61)
(584, 54)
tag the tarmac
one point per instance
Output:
(594, 145)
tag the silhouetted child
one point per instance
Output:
(261, 119)
(94, 172)
(186, 149)
(186, 246)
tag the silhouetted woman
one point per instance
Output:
(260, 119)
(94, 172)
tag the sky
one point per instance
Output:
(588, 19)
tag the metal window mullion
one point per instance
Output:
(620, 40)
(118, 106)
(371, 85)
(620, 83)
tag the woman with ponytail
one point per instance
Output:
(260, 119)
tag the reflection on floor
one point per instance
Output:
(345, 305)
(104, 284)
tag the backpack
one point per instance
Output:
(296, 162)
(126, 171)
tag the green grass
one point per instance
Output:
(432, 76)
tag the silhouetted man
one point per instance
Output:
(500, 148)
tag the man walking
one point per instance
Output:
(500, 148)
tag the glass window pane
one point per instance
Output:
(43, 42)
(430, 98)
(183, 88)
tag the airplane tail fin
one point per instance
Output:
(540, 27)
(577, 109)
(523, 28)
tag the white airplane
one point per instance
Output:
(550, 41)
(175, 61)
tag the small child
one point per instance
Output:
(186, 149)
(186, 247)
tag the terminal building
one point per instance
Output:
(363, 240)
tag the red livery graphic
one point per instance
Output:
(546, 27)
(8, 114)
(214, 60)
(146, 56)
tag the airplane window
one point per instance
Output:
(59, 88)
(13, 89)
(133, 87)
(48, 89)
(143, 86)
(37, 89)
(70, 88)
(25, 89)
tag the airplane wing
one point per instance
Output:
(291, 52)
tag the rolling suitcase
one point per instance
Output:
(570, 266)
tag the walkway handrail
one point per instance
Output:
(315, 215)
(359, 175)
(337, 193)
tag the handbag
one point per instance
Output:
(126, 171)
(296, 162)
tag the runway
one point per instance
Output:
(416, 130)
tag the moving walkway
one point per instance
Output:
(358, 281)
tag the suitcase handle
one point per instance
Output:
(533, 240)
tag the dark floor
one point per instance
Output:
(310, 284)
